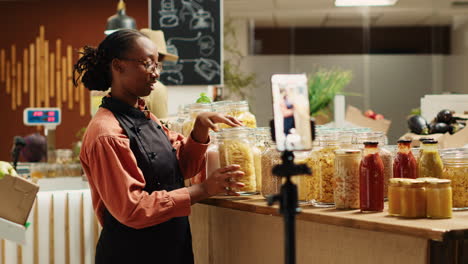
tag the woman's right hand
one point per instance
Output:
(224, 180)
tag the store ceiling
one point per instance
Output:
(323, 13)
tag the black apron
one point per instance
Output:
(168, 242)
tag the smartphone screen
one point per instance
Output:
(291, 112)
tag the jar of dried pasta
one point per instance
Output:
(346, 177)
(241, 111)
(222, 107)
(212, 154)
(257, 153)
(456, 170)
(271, 184)
(324, 170)
(236, 148)
(304, 182)
(194, 110)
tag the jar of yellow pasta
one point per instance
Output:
(240, 110)
(456, 170)
(257, 153)
(323, 170)
(236, 148)
(304, 182)
(194, 110)
(222, 107)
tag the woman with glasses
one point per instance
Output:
(135, 166)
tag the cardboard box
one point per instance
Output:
(355, 116)
(457, 140)
(17, 196)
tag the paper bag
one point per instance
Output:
(17, 196)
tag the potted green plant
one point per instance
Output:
(323, 85)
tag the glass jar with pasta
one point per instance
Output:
(212, 154)
(257, 153)
(271, 184)
(241, 111)
(304, 182)
(235, 148)
(456, 170)
(194, 110)
(222, 107)
(323, 169)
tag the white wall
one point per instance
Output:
(457, 64)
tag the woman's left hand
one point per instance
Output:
(207, 120)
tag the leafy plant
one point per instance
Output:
(203, 99)
(237, 82)
(324, 85)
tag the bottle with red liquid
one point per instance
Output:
(405, 165)
(371, 177)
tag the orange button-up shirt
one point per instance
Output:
(117, 183)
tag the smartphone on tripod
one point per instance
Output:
(291, 112)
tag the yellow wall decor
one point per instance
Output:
(43, 73)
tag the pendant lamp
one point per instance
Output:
(119, 20)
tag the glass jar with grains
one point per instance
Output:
(323, 162)
(346, 192)
(263, 136)
(456, 170)
(271, 184)
(235, 148)
(182, 116)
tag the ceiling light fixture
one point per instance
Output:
(119, 20)
(365, 2)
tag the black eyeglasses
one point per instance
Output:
(150, 66)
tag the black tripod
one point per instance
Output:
(287, 199)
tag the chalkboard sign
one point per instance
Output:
(192, 29)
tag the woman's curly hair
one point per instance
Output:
(93, 69)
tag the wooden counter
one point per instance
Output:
(246, 230)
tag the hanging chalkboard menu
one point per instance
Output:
(192, 29)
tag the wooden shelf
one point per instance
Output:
(433, 229)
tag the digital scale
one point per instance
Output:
(49, 117)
